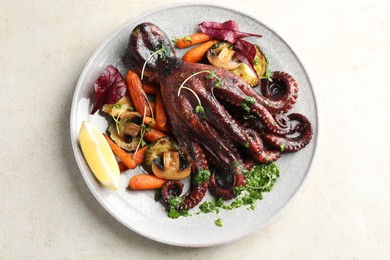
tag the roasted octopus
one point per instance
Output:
(239, 126)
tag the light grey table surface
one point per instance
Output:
(48, 212)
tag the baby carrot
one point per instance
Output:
(149, 121)
(191, 40)
(161, 117)
(145, 182)
(139, 156)
(153, 134)
(122, 166)
(150, 89)
(137, 93)
(152, 122)
(122, 154)
(195, 54)
(153, 106)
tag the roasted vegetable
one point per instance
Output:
(170, 168)
(159, 147)
(222, 55)
(260, 64)
(121, 106)
(109, 87)
(126, 142)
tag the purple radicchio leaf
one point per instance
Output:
(109, 87)
(227, 31)
(246, 52)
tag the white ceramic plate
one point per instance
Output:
(137, 210)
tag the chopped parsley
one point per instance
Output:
(283, 147)
(202, 176)
(218, 222)
(173, 205)
(260, 179)
(245, 107)
(250, 100)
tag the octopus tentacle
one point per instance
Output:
(236, 120)
(233, 96)
(227, 192)
(268, 156)
(291, 144)
(219, 118)
(233, 90)
(218, 191)
(209, 137)
(171, 189)
(194, 196)
(280, 94)
(198, 162)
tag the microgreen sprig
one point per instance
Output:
(199, 109)
(210, 76)
(163, 49)
(144, 129)
(267, 75)
(119, 125)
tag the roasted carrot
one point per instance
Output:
(197, 53)
(150, 89)
(145, 182)
(153, 106)
(139, 156)
(137, 93)
(152, 122)
(161, 117)
(122, 166)
(191, 40)
(122, 154)
(153, 134)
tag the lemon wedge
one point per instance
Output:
(99, 156)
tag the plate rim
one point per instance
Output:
(74, 137)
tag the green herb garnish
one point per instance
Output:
(218, 222)
(202, 176)
(250, 100)
(199, 109)
(187, 39)
(283, 147)
(163, 49)
(267, 75)
(260, 179)
(245, 107)
(212, 206)
(173, 205)
(174, 39)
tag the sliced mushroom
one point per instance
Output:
(131, 122)
(128, 143)
(220, 55)
(170, 169)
